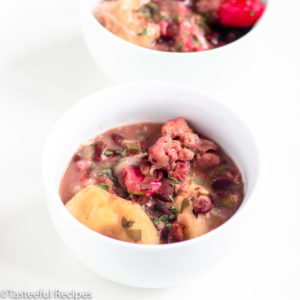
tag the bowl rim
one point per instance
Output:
(51, 194)
(120, 41)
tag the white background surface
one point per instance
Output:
(45, 68)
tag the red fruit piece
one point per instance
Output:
(83, 165)
(163, 24)
(132, 179)
(240, 13)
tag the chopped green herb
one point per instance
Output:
(108, 171)
(141, 137)
(199, 181)
(251, 13)
(107, 152)
(104, 186)
(171, 198)
(143, 32)
(174, 210)
(126, 223)
(146, 12)
(195, 41)
(168, 225)
(156, 222)
(92, 167)
(174, 179)
(172, 185)
(185, 203)
(131, 195)
(172, 216)
(163, 218)
(192, 176)
(101, 174)
(175, 17)
(133, 145)
(122, 153)
(134, 234)
(152, 6)
(179, 192)
(143, 206)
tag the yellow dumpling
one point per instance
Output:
(124, 19)
(192, 226)
(112, 216)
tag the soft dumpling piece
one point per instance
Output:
(112, 216)
(124, 19)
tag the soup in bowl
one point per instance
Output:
(132, 187)
(228, 50)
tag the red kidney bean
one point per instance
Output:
(164, 234)
(98, 149)
(163, 209)
(202, 204)
(175, 233)
(165, 190)
(117, 138)
(76, 157)
(222, 183)
(172, 30)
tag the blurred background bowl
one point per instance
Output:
(123, 61)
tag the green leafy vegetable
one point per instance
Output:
(126, 223)
(163, 218)
(152, 6)
(122, 153)
(107, 152)
(174, 179)
(199, 181)
(104, 186)
(168, 225)
(143, 32)
(185, 203)
(134, 234)
(174, 210)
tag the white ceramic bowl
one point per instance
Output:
(123, 61)
(147, 265)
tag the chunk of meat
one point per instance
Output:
(208, 160)
(205, 6)
(165, 152)
(178, 128)
(194, 142)
(124, 19)
(181, 170)
(175, 128)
